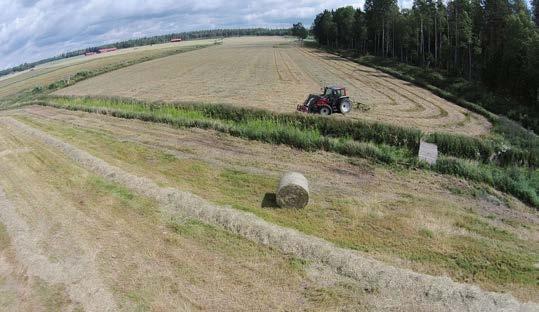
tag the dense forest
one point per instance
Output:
(191, 35)
(494, 43)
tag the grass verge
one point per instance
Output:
(315, 133)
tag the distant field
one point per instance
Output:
(58, 70)
(87, 244)
(277, 74)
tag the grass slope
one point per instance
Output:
(489, 255)
(383, 143)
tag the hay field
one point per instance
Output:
(72, 241)
(277, 74)
(416, 220)
(48, 73)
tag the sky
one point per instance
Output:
(31, 30)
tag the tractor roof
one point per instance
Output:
(335, 87)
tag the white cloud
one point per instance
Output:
(34, 29)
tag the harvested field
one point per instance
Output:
(71, 240)
(416, 220)
(276, 74)
(48, 73)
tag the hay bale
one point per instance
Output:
(293, 191)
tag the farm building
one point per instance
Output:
(176, 40)
(105, 50)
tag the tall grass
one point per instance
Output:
(331, 127)
(357, 130)
(313, 133)
(521, 183)
(268, 130)
(487, 151)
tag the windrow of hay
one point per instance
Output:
(80, 274)
(395, 287)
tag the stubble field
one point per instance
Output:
(48, 73)
(277, 74)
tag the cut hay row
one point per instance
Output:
(80, 275)
(395, 287)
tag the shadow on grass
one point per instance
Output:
(269, 201)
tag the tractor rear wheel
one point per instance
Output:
(345, 106)
(325, 111)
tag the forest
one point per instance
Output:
(486, 51)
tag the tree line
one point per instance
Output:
(495, 42)
(191, 35)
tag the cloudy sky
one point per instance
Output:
(35, 29)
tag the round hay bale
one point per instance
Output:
(293, 191)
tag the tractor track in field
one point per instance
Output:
(419, 99)
(316, 60)
(277, 66)
(287, 65)
(388, 79)
(389, 286)
(417, 106)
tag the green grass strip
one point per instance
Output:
(308, 133)
(264, 130)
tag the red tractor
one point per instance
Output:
(333, 100)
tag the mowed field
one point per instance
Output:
(73, 238)
(48, 73)
(277, 74)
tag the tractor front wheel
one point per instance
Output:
(325, 111)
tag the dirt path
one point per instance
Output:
(393, 287)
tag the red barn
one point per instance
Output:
(105, 50)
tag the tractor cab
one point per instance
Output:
(334, 91)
